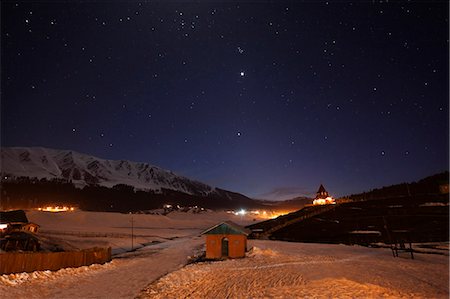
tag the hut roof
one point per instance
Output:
(13, 216)
(227, 228)
(321, 189)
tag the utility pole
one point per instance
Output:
(132, 232)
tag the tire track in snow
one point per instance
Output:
(312, 262)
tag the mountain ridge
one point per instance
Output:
(84, 170)
(32, 177)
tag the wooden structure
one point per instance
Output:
(17, 233)
(401, 242)
(20, 241)
(14, 221)
(321, 193)
(264, 229)
(226, 240)
(398, 239)
(322, 197)
(18, 262)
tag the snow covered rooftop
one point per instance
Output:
(227, 228)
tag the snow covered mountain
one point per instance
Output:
(83, 170)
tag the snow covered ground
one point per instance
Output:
(176, 235)
(88, 229)
(124, 277)
(273, 269)
(297, 270)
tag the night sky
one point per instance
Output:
(269, 100)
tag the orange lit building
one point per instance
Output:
(226, 240)
(322, 197)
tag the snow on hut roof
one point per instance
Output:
(227, 228)
(13, 217)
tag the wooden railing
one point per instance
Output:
(17, 262)
(315, 212)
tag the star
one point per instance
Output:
(191, 100)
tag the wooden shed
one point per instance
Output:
(226, 240)
(13, 221)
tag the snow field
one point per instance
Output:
(89, 229)
(297, 270)
(124, 277)
(273, 269)
(129, 272)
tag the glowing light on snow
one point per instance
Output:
(261, 214)
(56, 209)
(324, 201)
(277, 214)
(242, 212)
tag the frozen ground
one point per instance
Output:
(298, 270)
(273, 269)
(175, 238)
(88, 229)
(124, 277)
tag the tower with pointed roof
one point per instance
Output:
(322, 193)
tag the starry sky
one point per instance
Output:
(266, 99)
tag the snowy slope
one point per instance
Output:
(85, 170)
(299, 270)
(273, 269)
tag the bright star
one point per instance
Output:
(242, 74)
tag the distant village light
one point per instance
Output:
(3, 226)
(56, 209)
(241, 212)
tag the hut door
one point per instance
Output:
(224, 247)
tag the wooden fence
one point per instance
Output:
(18, 262)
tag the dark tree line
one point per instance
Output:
(434, 184)
(27, 193)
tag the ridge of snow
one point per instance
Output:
(83, 170)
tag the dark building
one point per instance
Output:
(17, 233)
(17, 220)
(322, 193)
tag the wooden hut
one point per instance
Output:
(226, 240)
(13, 221)
(17, 233)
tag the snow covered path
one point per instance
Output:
(297, 270)
(124, 277)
